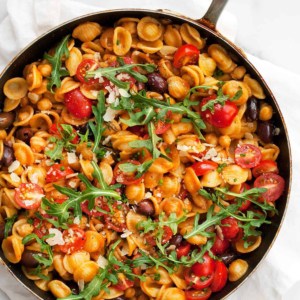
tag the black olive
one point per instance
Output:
(157, 83)
(2, 227)
(24, 134)
(176, 240)
(252, 110)
(146, 208)
(8, 156)
(265, 131)
(228, 257)
(6, 119)
(28, 259)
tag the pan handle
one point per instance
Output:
(213, 13)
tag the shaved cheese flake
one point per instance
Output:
(106, 140)
(126, 233)
(14, 177)
(34, 178)
(14, 166)
(72, 158)
(102, 262)
(110, 114)
(76, 220)
(124, 93)
(80, 283)
(148, 195)
(57, 239)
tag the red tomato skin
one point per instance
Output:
(77, 104)
(183, 249)
(220, 277)
(26, 192)
(205, 268)
(113, 222)
(93, 213)
(122, 178)
(246, 203)
(57, 172)
(222, 116)
(203, 167)
(220, 246)
(242, 152)
(265, 166)
(231, 231)
(124, 284)
(55, 128)
(273, 183)
(76, 242)
(162, 127)
(197, 282)
(83, 67)
(186, 55)
(198, 295)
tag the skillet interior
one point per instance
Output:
(39, 46)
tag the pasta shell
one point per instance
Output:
(172, 36)
(24, 115)
(207, 64)
(191, 36)
(106, 39)
(87, 31)
(150, 47)
(34, 77)
(40, 122)
(15, 88)
(193, 75)
(74, 59)
(129, 24)
(92, 47)
(121, 41)
(10, 104)
(149, 29)
(234, 174)
(23, 154)
(167, 52)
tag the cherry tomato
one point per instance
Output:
(246, 203)
(124, 284)
(265, 166)
(220, 246)
(125, 77)
(167, 235)
(247, 156)
(197, 282)
(274, 185)
(203, 167)
(220, 277)
(198, 295)
(77, 104)
(56, 129)
(126, 177)
(74, 238)
(230, 227)
(205, 268)
(162, 127)
(83, 67)
(57, 172)
(222, 116)
(41, 227)
(183, 249)
(116, 218)
(186, 55)
(94, 212)
(29, 195)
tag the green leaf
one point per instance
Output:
(140, 169)
(56, 152)
(56, 63)
(9, 222)
(139, 118)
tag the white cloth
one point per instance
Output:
(278, 276)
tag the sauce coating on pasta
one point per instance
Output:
(137, 161)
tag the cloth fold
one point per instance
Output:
(279, 272)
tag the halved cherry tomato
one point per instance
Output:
(265, 166)
(246, 203)
(203, 167)
(274, 185)
(167, 235)
(222, 116)
(247, 156)
(74, 238)
(124, 177)
(186, 55)
(162, 127)
(116, 219)
(56, 129)
(41, 227)
(57, 172)
(124, 284)
(183, 249)
(220, 277)
(204, 268)
(77, 104)
(83, 67)
(94, 212)
(198, 295)
(29, 195)
(220, 246)
(197, 282)
(230, 227)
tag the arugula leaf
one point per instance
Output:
(98, 128)
(56, 63)
(9, 222)
(62, 211)
(111, 72)
(139, 118)
(140, 169)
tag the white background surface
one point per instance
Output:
(265, 29)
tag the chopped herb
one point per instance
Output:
(56, 63)
(221, 167)
(9, 222)
(132, 168)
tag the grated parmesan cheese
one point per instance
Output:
(102, 262)
(14, 177)
(34, 178)
(72, 158)
(14, 166)
(126, 233)
(148, 195)
(57, 239)
(124, 93)
(106, 140)
(76, 220)
(80, 283)
(110, 114)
